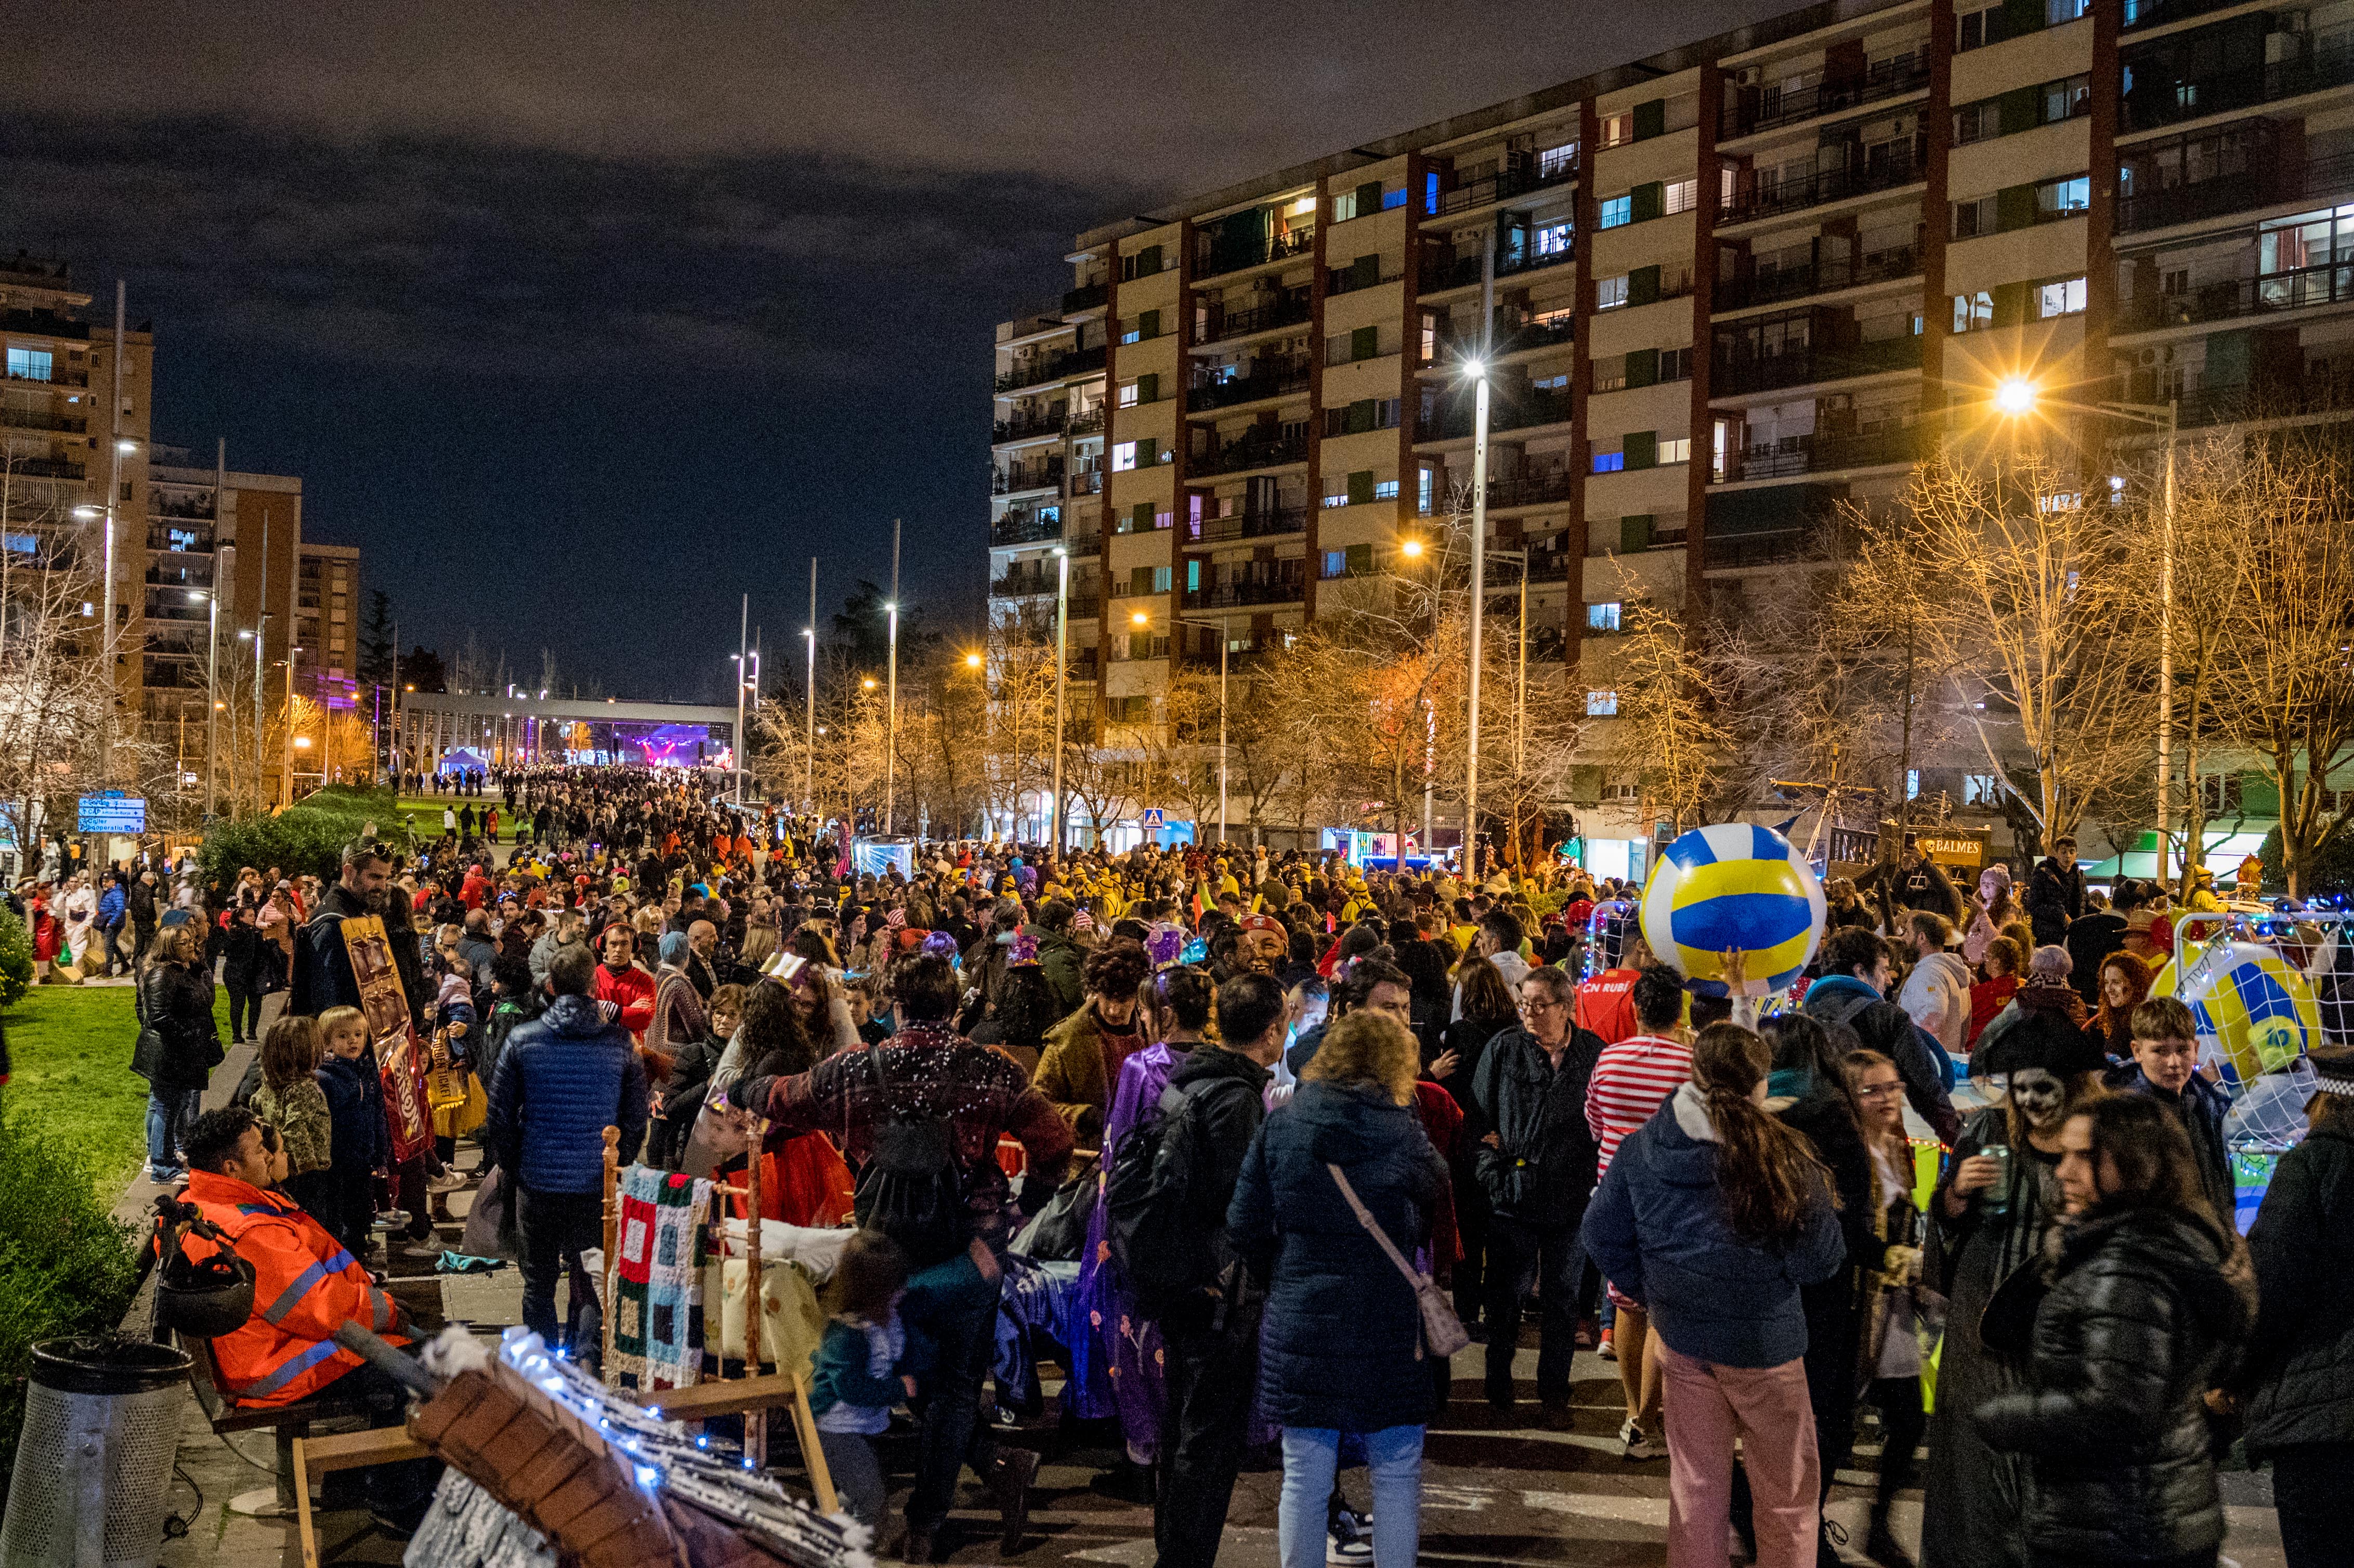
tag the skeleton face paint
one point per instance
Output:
(2038, 1094)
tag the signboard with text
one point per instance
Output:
(112, 813)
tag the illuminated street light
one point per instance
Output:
(868, 684)
(973, 661)
(2015, 396)
(1140, 618)
(1411, 549)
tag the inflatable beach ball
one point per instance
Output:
(1734, 886)
(2256, 1014)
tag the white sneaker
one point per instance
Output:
(448, 1181)
(1349, 1540)
(1634, 1445)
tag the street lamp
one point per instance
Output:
(1478, 370)
(808, 697)
(743, 626)
(1062, 676)
(212, 697)
(891, 704)
(2015, 396)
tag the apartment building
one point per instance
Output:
(326, 622)
(1717, 293)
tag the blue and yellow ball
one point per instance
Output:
(2256, 1013)
(1739, 887)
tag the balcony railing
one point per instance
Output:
(1251, 451)
(1229, 596)
(1024, 429)
(1288, 311)
(1886, 167)
(1020, 585)
(2151, 13)
(1771, 106)
(56, 378)
(1044, 368)
(1510, 409)
(43, 468)
(2229, 300)
(1086, 297)
(1516, 337)
(42, 420)
(2266, 180)
(1088, 543)
(1087, 424)
(1086, 482)
(1215, 260)
(1024, 528)
(1821, 453)
(1034, 476)
(1458, 272)
(1799, 367)
(1506, 184)
(2326, 60)
(1779, 547)
(1267, 381)
(1250, 525)
(1820, 277)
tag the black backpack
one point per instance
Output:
(1153, 1204)
(910, 1187)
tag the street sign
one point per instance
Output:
(1155, 818)
(112, 813)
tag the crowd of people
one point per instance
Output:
(1304, 1129)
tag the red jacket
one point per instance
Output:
(632, 991)
(305, 1287)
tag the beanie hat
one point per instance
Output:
(673, 948)
(2049, 966)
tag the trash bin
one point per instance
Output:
(94, 1461)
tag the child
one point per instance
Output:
(289, 1099)
(360, 1142)
(1891, 1345)
(453, 1029)
(858, 1374)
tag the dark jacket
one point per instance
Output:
(683, 1092)
(178, 1045)
(2202, 1107)
(1925, 886)
(1541, 1171)
(2089, 941)
(1858, 1018)
(2299, 1377)
(1230, 1092)
(359, 1141)
(240, 955)
(1340, 1343)
(1060, 959)
(323, 970)
(1658, 1231)
(2137, 1317)
(2054, 898)
(1834, 1306)
(1468, 1038)
(563, 1079)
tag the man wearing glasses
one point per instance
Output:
(1538, 1171)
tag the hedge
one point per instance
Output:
(2330, 873)
(16, 958)
(307, 837)
(66, 1266)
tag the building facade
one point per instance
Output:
(1717, 292)
(437, 732)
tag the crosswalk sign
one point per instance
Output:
(1154, 819)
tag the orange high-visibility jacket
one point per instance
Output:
(305, 1287)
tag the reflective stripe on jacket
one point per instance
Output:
(305, 1287)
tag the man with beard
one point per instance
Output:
(323, 964)
(1262, 945)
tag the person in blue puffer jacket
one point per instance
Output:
(563, 1079)
(1713, 1214)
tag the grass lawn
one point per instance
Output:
(70, 1049)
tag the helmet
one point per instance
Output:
(202, 1298)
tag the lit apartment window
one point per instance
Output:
(1610, 293)
(1556, 161)
(1982, 790)
(1385, 490)
(1424, 480)
(1336, 563)
(2064, 198)
(1601, 705)
(28, 364)
(1555, 238)
(1675, 450)
(1618, 211)
(1123, 457)
(2061, 297)
(1610, 462)
(1617, 129)
(1974, 312)
(1127, 394)
(1681, 196)
(1602, 617)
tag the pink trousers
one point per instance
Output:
(1707, 1406)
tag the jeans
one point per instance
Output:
(402, 1489)
(1517, 1253)
(554, 1228)
(857, 1475)
(169, 1112)
(244, 1012)
(1707, 1407)
(964, 1333)
(1311, 1455)
(1211, 1375)
(1901, 1423)
(2309, 1493)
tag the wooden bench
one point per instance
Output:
(287, 1423)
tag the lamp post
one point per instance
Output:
(1062, 674)
(1413, 550)
(256, 708)
(891, 704)
(1225, 644)
(743, 626)
(809, 697)
(212, 697)
(1478, 370)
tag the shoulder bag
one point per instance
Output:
(1442, 1330)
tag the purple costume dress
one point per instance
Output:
(1125, 1348)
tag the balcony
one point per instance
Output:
(1516, 337)
(1216, 260)
(2158, 13)
(1252, 451)
(1511, 408)
(1818, 277)
(1734, 374)
(2262, 181)
(1024, 528)
(1765, 108)
(1022, 585)
(195, 542)
(161, 505)
(56, 378)
(1086, 482)
(1248, 526)
(2159, 98)
(1090, 423)
(1529, 175)
(42, 468)
(1027, 476)
(1783, 547)
(1290, 310)
(1233, 596)
(1028, 427)
(2323, 389)
(2235, 299)
(1823, 453)
(1887, 166)
(1088, 543)
(1086, 297)
(1461, 271)
(42, 420)
(1267, 380)
(1040, 368)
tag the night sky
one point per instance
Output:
(582, 320)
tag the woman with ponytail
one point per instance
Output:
(1715, 1216)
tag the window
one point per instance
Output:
(1385, 490)
(1610, 462)
(2064, 99)
(1676, 364)
(1161, 576)
(1683, 196)
(1610, 293)
(1974, 28)
(1615, 129)
(1974, 312)
(1978, 122)
(2064, 198)
(1555, 161)
(28, 364)
(1430, 191)
(1911, 783)
(1618, 211)
(1602, 617)
(1336, 563)
(1601, 705)
(1424, 480)
(2061, 297)
(2058, 12)
(1972, 218)
(1982, 790)
(1123, 457)
(1554, 239)
(1127, 394)
(1675, 450)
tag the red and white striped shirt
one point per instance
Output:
(1631, 1080)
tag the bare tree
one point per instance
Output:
(1663, 731)
(55, 691)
